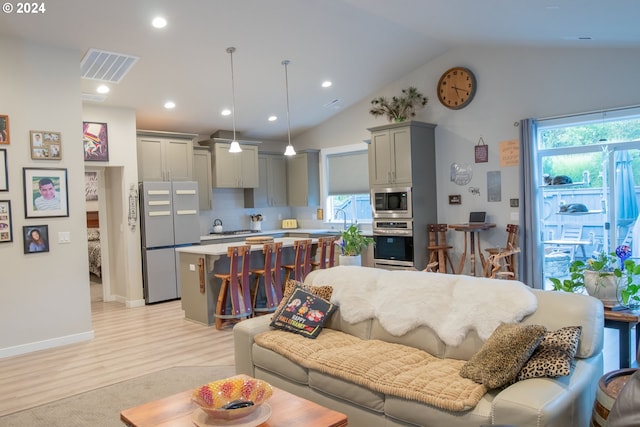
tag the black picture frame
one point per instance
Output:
(32, 246)
(4, 170)
(6, 226)
(95, 141)
(38, 183)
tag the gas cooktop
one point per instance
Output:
(236, 232)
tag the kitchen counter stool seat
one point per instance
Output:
(302, 263)
(236, 286)
(327, 251)
(270, 275)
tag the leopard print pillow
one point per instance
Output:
(555, 355)
(323, 292)
(503, 355)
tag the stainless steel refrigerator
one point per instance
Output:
(169, 219)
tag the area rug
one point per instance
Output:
(101, 407)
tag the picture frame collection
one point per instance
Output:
(45, 189)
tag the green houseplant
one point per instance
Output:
(351, 243)
(399, 108)
(628, 293)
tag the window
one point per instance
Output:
(346, 179)
(587, 169)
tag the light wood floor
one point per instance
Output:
(129, 342)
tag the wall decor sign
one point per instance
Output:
(4, 171)
(45, 145)
(95, 142)
(45, 192)
(510, 153)
(36, 238)
(6, 233)
(455, 199)
(481, 151)
(4, 129)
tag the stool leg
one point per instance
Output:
(255, 292)
(221, 306)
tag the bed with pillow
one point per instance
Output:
(402, 348)
(93, 243)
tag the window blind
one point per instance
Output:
(348, 173)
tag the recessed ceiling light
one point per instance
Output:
(326, 83)
(226, 112)
(159, 22)
(102, 89)
(169, 105)
(272, 118)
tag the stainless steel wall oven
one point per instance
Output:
(393, 244)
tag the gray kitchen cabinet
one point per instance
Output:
(202, 175)
(235, 170)
(394, 153)
(165, 156)
(303, 179)
(272, 190)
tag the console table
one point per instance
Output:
(623, 321)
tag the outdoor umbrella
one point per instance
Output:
(625, 194)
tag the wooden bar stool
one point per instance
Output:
(270, 275)
(438, 248)
(302, 263)
(235, 285)
(327, 250)
(509, 251)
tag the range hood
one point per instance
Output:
(225, 136)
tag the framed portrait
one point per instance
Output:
(4, 129)
(45, 192)
(36, 238)
(6, 233)
(4, 172)
(95, 142)
(45, 145)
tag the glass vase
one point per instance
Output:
(632, 301)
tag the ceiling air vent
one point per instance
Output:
(334, 104)
(106, 66)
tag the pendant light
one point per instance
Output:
(235, 145)
(289, 151)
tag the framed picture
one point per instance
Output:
(36, 238)
(4, 129)
(45, 192)
(4, 172)
(91, 186)
(95, 142)
(45, 145)
(6, 233)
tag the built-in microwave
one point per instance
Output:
(391, 202)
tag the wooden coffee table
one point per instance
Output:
(288, 410)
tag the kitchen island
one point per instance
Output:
(198, 264)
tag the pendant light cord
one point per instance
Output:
(230, 51)
(286, 84)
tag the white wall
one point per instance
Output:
(44, 297)
(513, 83)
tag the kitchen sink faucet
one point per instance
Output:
(344, 215)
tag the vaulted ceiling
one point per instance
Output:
(359, 45)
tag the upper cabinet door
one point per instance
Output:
(150, 163)
(164, 156)
(380, 158)
(401, 156)
(178, 159)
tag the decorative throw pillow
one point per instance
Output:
(93, 234)
(321, 291)
(555, 355)
(503, 355)
(303, 313)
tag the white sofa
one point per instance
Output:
(560, 402)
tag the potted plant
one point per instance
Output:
(399, 108)
(628, 293)
(351, 243)
(602, 278)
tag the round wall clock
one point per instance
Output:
(456, 88)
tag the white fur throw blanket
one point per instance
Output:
(451, 305)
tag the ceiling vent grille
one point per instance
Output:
(106, 66)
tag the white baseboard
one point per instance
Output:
(43, 345)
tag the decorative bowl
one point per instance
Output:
(212, 397)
